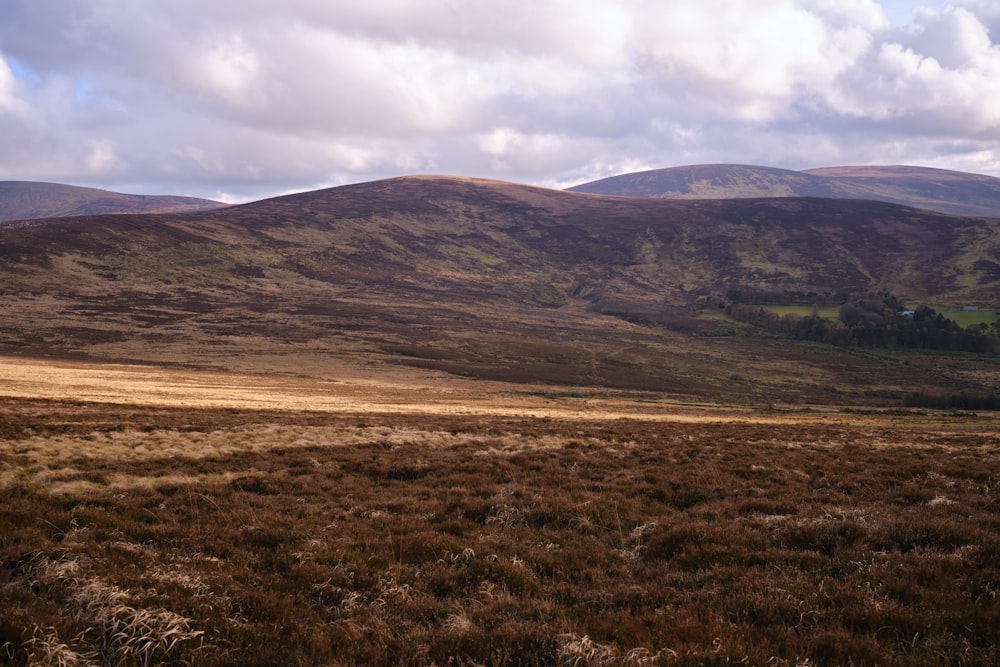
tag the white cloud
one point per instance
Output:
(10, 103)
(953, 36)
(102, 158)
(866, 15)
(938, 77)
(230, 70)
(250, 98)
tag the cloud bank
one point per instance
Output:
(242, 99)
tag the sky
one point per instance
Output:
(239, 100)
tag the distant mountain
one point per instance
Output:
(934, 189)
(953, 192)
(492, 280)
(24, 200)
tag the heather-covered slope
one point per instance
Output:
(487, 279)
(23, 200)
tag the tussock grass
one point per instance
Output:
(45, 650)
(108, 630)
(249, 538)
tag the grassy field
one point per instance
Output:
(964, 318)
(150, 516)
(828, 312)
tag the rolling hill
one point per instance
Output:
(939, 190)
(23, 200)
(496, 281)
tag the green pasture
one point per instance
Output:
(827, 312)
(964, 318)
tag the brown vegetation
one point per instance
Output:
(139, 535)
(440, 421)
(493, 281)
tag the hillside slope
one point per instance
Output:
(23, 200)
(935, 189)
(939, 190)
(488, 279)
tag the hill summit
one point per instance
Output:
(953, 192)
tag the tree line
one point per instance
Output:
(877, 321)
(943, 401)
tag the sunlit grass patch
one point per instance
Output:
(388, 539)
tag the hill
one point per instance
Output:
(23, 200)
(935, 189)
(498, 281)
(939, 190)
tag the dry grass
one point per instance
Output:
(148, 534)
(347, 388)
(114, 632)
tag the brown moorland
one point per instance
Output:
(452, 421)
(499, 281)
(139, 532)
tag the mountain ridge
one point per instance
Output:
(771, 240)
(26, 200)
(957, 193)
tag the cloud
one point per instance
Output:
(939, 77)
(953, 36)
(252, 98)
(10, 103)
